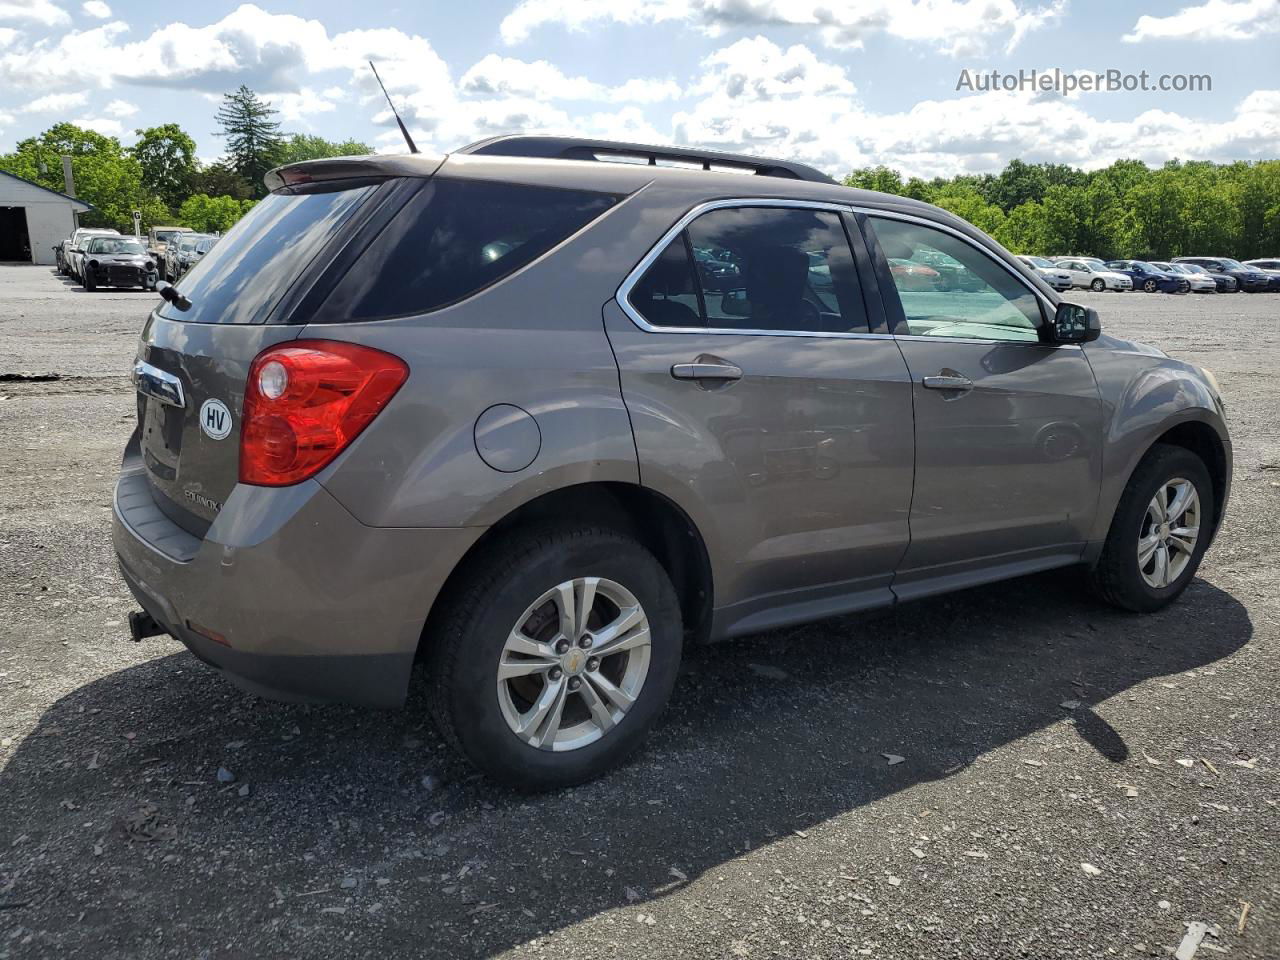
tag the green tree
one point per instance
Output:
(302, 146)
(167, 155)
(219, 180)
(881, 179)
(965, 200)
(212, 214)
(106, 176)
(253, 136)
(1023, 230)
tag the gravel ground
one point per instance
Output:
(1074, 782)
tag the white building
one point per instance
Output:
(33, 218)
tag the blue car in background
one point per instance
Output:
(1147, 278)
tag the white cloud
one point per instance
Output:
(105, 125)
(496, 76)
(54, 102)
(120, 108)
(295, 107)
(37, 11)
(96, 9)
(1212, 20)
(958, 27)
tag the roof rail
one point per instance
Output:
(575, 148)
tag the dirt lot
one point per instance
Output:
(1040, 731)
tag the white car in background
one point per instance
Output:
(1200, 282)
(1089, 273)
(1049, 272)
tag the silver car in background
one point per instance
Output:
(1049, 271)
(1199, 282)
(484, 411)
(1089, 273)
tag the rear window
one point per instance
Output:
(247, 272)
(452, 239)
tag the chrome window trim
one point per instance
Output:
(623, 296)
(624, 289)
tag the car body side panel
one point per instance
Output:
(799, 474)
(1144, 395)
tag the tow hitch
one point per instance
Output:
(143, 625)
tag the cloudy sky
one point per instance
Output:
(837, 83)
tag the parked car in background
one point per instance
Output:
(718, 275)
(914, 276)
(1199, 283)
(74, 254)
(952, 274)
(1148, 278)
(1224, 282)
(158, 239)
(1269, 266)
(1248, 279)
(118, 262)
(1049, 272)
(1091, 274)
(545, 474)
(181, 253)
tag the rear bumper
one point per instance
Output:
(307, 603)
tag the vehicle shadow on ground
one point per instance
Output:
(766, 736)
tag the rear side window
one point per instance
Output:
(452, 239)
(243, 277)
(772, 269)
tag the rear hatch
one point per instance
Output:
(245, 295)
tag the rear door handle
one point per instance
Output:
(706, 370)
(947, 383)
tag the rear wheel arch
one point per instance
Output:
(638, 512)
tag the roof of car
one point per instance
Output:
(579, 161)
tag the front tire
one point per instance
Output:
(1150, 286)
(1098, 285)
(1159, 533)
(555, 656)
(89, 283)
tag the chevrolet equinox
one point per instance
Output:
(542, 411)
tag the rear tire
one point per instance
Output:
(1145, 565)
(498, 652)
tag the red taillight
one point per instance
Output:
(305, 401)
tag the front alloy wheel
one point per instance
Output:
(1159, 533)
(1150, 286)
(1098, 285)
(1170, 531)
(574, 664)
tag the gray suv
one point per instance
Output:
(489, 411)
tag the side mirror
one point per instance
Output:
(735, 304)
(1073, 323)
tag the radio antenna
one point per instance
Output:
(413, 147)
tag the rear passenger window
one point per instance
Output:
(773, 269)
(454, 238)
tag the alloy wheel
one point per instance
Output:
(574, 664)
(1169, 533)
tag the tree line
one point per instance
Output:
(1125, 211)
(160, 174)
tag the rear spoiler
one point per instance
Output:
(352, 168)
